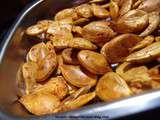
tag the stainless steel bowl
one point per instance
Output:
(12, 54)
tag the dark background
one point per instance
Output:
(9, 9)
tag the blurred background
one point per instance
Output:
(9, 9)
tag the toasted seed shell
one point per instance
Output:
(118, 48)
(126, 6)
(78, 102)
(40, 103)
(25, 77)
(81, 43)
(46, 67)
(66, 13)
(119, 2)
(70, 56)
(122, 68)
(114, 10)
(155, 73)
(111, 86)
(155, 84)
(57, 27)
(61, 39)
(98, 32)
(29, 71)
(136, 4)
(45, 58)
(84, 10)
(93, 62)
(21, 85)
(76, 77)
(75, 100)
(77, 30)
(80, 21)
(76, 94)
(157, 39)
(145, 55)
(132, 22)
(145, 42)
(137, 74)
(37, 52)
(99, 11)
(38, 28)
(56, 86)
(35, 30)
(71, 89)
(154, 21)
(150, 6)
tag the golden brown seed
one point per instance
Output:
(38, 52)
(80, 91)
(132, 22)
(154, 73)
(84, 10)
(145, 55)
(119, 2)
(29, 73)
(122, 68)
(44, 56)
(125, 7)
(150, 6)
(137, 74)
(58, 26)
(154, 21)
(26, 81)
(157, 39)
(39, 28)
(118, 48)
(75, 76)
(98, 32)
(61, 39)
(145, 42)
(70, 56)
(34, 30)
(114, 10)
(56, 86)
(136, 90)
(136, 4)
(111, 86)
(82, 43)
(80, 21)
(66, 13)
(40, 103)
(93, 62)
(20, 82)
(155, 84)
(77, 30)
(99, 11)
(72, 89)
(76, 100)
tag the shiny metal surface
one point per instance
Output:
(12, 53)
